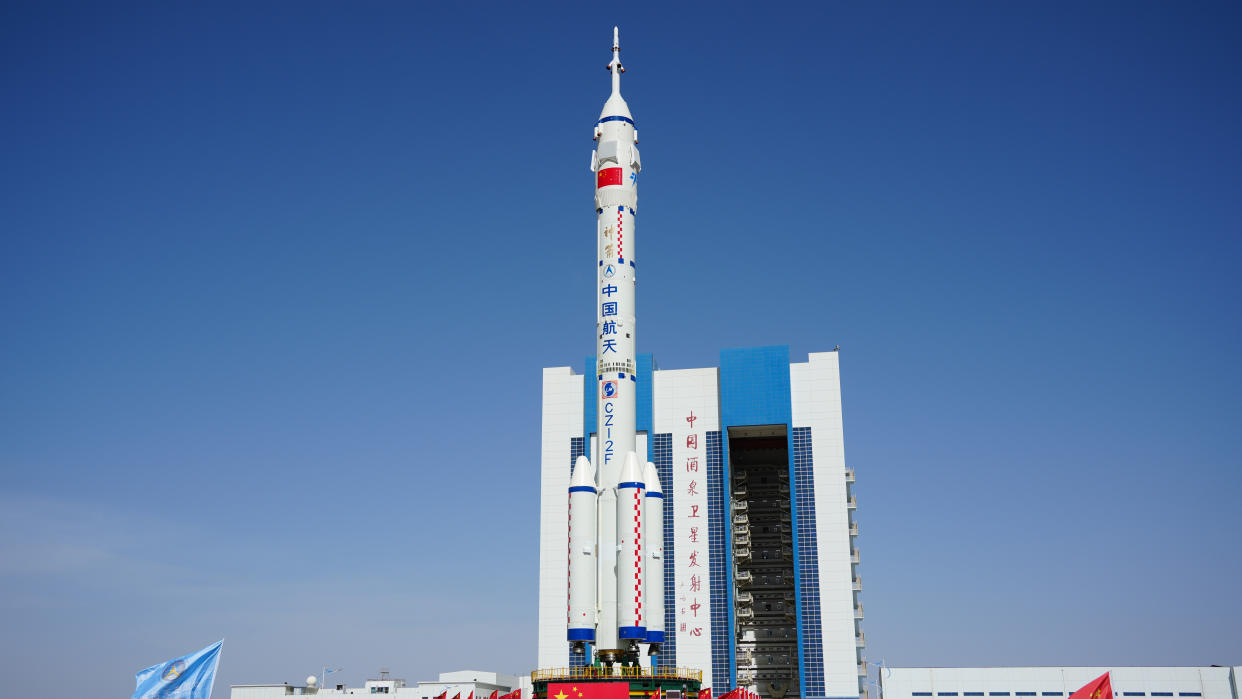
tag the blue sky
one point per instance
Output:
(277, 281)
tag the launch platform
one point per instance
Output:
(644, 682)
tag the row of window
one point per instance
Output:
(662, 453)
(804, 493)
(1050, 694)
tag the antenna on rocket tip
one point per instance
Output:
(616, 52)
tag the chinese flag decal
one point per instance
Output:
(1098, 688)
(589, 690)
(607, 176)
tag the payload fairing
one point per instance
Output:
(615, 544)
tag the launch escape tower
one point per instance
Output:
(708, 535)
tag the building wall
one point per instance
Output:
(562, 422)
(461, 682)
(815, 388)
(685, 407)
(1053, 682)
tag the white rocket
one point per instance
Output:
(616, 581)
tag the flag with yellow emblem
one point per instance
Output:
(1098, 688)
(589, 690)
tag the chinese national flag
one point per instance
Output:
(607, 176)
(495, 693)
(1098, 688)
(589, 690)
(441, 695)
(705, 693)
(456, 696)
(658, 694)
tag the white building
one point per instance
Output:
(760, 577)
(1051, 682)
(464, 682)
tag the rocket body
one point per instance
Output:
(583, 566)
(653, 534)
(622, 556)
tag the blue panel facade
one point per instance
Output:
(721, 566)
(754, 386)
(810, 630)
(662, 457)
(645, 365)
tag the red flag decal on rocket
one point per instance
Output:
(607, 176)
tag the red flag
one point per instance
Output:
(591, 690)
(658, 694)
(441, 695)
(517, 693)
(1098, 688)
(607, 176)
(705, 693)
(457, 695)
(495, 693)
(471, 695)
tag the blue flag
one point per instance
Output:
(188, 677)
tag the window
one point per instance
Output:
(1054, 694)
(1190, 694)
(922, 694)
(1134, 694)
(947, 694)
(1162, 694)
(998, 694)
(1025, 694)
(973, 694)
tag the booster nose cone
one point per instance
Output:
(584, 473)
(651, 479)
(631, 472)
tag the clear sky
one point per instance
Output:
(277, 282)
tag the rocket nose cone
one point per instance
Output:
(583, 473)
(616, 107)
(651, 478)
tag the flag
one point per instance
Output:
(658, 694)
(607, 176)
(1098, 688)
(705, 693)
(495, 693)
(441, 695)
(188, 677)
(457, 695)
(471, 695)
(592, 690)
